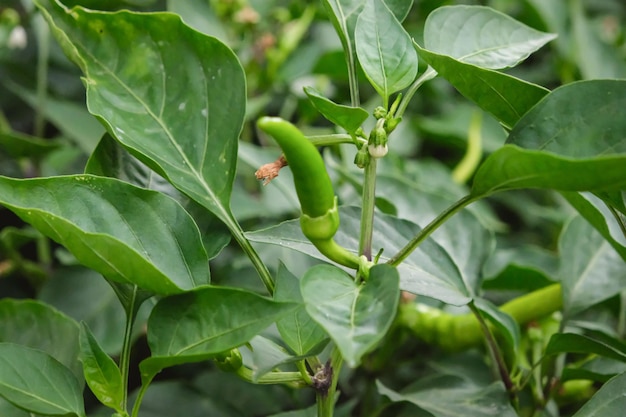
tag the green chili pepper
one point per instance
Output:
(320, 218)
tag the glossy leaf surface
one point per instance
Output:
(356, 316)
(39, 326)
(299, 331)
(196, 325)
(481, 36)
(101, 373)
(384, 49)
(35, 381)
(128, 234)
(591, 270)
(578, 128)
(349, 118)
(165, 100)
(576, 343)
(428, 271)
(504, 323)
(507, 98)
(609, 401)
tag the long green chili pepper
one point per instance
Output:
(320, 219)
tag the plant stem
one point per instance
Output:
(327, 140)
(494, 351)
(367, 212)
(270, 378)
(139, 399)
(429, 74)
(430, 228)
(326, 400)
(131, 312)
(43, 53)
(260, 266)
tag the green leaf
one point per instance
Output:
(577, 128)
(35, 381)
(101, 373)
(609, 401)
(39, 326)
(19, 145)
(598, 369)
(576, 343)
(196, 325)
(170, 106)
(525, 267)
(452, 396)
(384, 49)
(481, 36)
(504, 323)
(428, 271)
(268, 356)
(128, 234)
(299, 331)
(505, 97)
(355, 316)
(598, 213)
(110, 159)
(346, 117)
(591, 270)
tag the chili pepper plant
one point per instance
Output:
(385, 284)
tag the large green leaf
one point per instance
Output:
(176, 99)
(507, 98)
(481, 36)
(356, 316)
(591, 270)
(452, 396)
(196, 325)
(101, 372)
(384, 49)
(574, 139)
(603, 217)
(110, 159)
(576, 343)
(35, 381)
(128, 234)
(429, 270)
(609, 401)
(298, 329)
(37, 325)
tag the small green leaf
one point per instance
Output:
(481, 36)
(20, 145)
(505, 97)
(196, 325)
(39, 326)
(384, 49)
(299, 331)
(128, 234)
(355, 316)
(101, 373)
(591, 270)
(35, 381)
(576, 343)
(609, 401)
(349, 118)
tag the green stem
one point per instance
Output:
(326, 400)
(367, 213)
(328, 140)
(131, 312)
(430, 228)
(260, 266)
(337, 253)
(429, 74)
(466, 167)
(459, 332)
(140, 394)
(495, 352)
(270, 378)
(301, 365)
(43, 54)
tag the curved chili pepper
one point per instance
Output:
(320, 218)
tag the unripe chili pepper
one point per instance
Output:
(320, 218)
